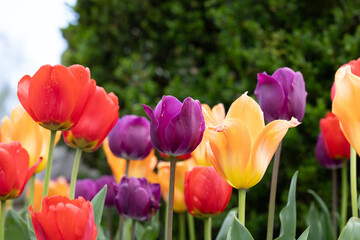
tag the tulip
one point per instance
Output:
(334, 140)
(86, 188)
(206, 193)
(61, 218)
(56, 96)
(163, 176)
(136, 198)
(281, 95)
(110, 193)
(322, 155)
(142, 168)
(130, 138)
(34, 138)
(95, 123)
(176, 128)
(213, 117)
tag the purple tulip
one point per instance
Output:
(130, 138)
(136, 198)
(322, 156)
(86, 188)
(281, 95)
(110, 194)
(176, 128)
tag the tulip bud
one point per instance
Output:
(110, 193)
(323, 158)
(86, 188)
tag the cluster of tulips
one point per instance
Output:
(205, 152)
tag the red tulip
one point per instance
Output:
(206, 192)
(334, 140)
(96, 122)
(56, 96)
(61, 218)
(14, 170)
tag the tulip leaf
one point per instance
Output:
(315, 220)
(15, 226)
(326, 221)
(238, 231)
(148, 230)
(288, 213)
(30, 228)
(351, 230)
(305, 234)
(222, 235)
(98, 207)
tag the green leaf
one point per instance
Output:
(328, 229)
(98, 207)
(15, 226)
(314, 219)
(238, 231)
(351, 230)
(305, 234)
(223, 232)
(148, 230)
(30, 228)
(288, 213)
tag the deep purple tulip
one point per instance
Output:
(86, 188)
(130, 138)
(110, 194)
(322, 156)
(281, 95)
(176, 128)
(136, 198)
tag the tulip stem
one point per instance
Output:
(271, 211)
(353, 184)
(334, 200)
(207, 228)
(75, 172)
(32, 189)
(171, 198)
(242, 200)
(48, 166)
(2, 220)
(127, 167)
(121, 227)
(133, 223)
(191, 226)
(344, 198)
(182, 229)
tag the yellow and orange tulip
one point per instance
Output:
(34, 138)
(137, 168)
(241, 147)
(164, 175)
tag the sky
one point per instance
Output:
(30, 37)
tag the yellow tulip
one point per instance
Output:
(212, 117)
(137, 168)
(34, 138)
(346, 102)
(164, 175)
(241, 147)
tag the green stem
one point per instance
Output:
(48, 165)
(32, 189)
(75, 172)
(344, 194)
(271, 212)
(121, 227)
(166, 216)
(171, 198)
(207, 228)
(133, 223)
(182, 229)
(353, 183)
(191, 226)
(242, 200)
(2, 220)
(127, 167)
(334, 200)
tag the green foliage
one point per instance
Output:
(222, 234)
(98, 206)
(15, 226)
(238, 231)
(351, 230)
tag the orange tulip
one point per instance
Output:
(212, 117)
(34, 138)
(164, 175)
(137, 168)
(346, 101)
(241, 147)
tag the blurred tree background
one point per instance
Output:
(212, 50)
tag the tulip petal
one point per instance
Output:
(8, 176)
(219, 112)
(297, 97)
(209, 117)
(23, 94)
(285, 77)
(249, 113)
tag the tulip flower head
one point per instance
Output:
(130, 138)
(86, 188)
(281, 95)
(136, 198)
(95, 123)
(322, 156)
(14, 169)
(241, 147)
(110, 182)
(56, 96)
(61, 218)
(206, 193)
(176, 128)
